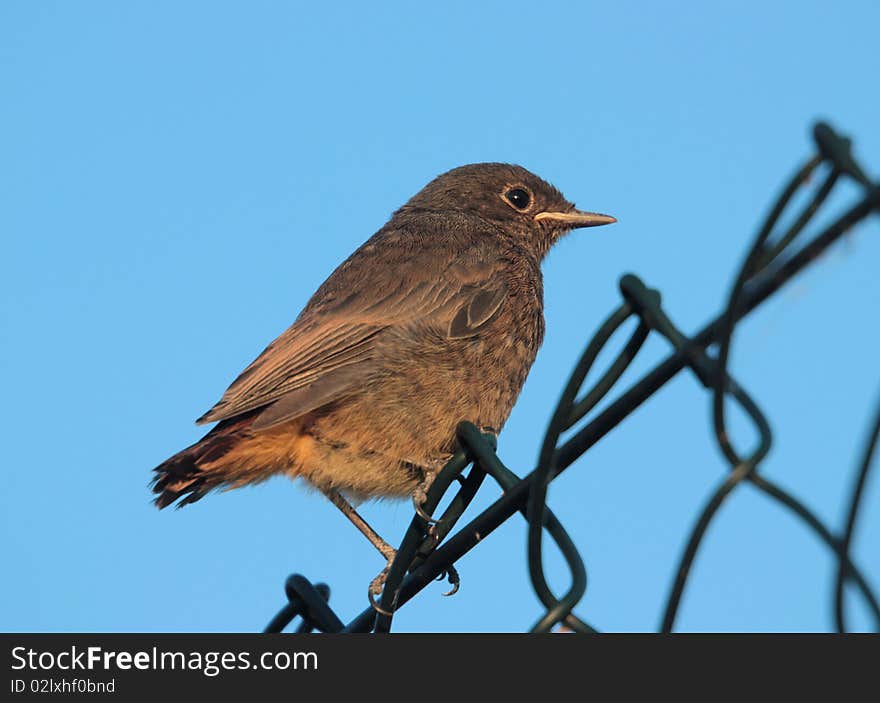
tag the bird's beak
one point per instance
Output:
(576, 218)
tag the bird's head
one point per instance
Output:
(518, 202)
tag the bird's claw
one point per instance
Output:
(419, 497)
(374, 604)
(451, 574)
(433, 534)
(422, 514)
(377, 585)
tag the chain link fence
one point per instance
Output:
(775, 257)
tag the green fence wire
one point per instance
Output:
(429, 552)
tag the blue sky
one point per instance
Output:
(179, 177)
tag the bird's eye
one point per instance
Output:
(519, 198)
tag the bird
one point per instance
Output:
(436, 319)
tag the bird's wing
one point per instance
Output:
(331, 347)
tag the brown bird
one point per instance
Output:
(436, 319)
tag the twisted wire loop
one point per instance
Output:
(428, 552)
(308, 602)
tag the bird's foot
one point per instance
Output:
(419, 497)
(377, 585)
(451, 574)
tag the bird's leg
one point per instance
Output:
(451, 573)
(385, 549)
(420, 495)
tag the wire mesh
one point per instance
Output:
(428, 552)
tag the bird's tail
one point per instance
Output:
(190, 474)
